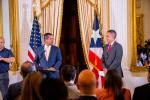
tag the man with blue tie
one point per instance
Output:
(48, 57)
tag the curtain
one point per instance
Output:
(1, 19)
(86, 12)
(25, 25)
(118, 22)
(105, 17)
(14, 31)
(50, 16)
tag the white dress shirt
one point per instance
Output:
(47, 51)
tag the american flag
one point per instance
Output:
(95, 53)
(35, 40)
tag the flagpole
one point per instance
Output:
(34, 37)
(34, 14)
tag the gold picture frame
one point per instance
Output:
(139, 30)
(136, 20)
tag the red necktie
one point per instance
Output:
(108, 48)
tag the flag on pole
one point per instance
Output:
(95, 53)
(35, 40)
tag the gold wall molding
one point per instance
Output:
(134, 55)
(131, 30)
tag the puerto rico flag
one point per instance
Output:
(95, 53)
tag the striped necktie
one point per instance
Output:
(108, 48)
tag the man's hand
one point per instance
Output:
(105, 70)
(1, 58)
(8, 60)
(51, 69)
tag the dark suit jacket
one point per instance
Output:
(142, 92)
(14, 91)
(112, 59)
(54, 60)
(87, 98)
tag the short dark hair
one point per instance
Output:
(113, 32)
(26, 68)
(68, 72)
(54, 89)
(46, 35)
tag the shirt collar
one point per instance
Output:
(70, 82)
(94, 95)
(45, 46)
(2, 49)
(112, 43)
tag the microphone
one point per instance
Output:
(43, 52)
(40, 56)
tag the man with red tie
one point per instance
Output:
(112, 54)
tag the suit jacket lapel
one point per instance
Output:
(111, 50)
(112, 47)
(105, 52)
(51, 52)
(43, 52)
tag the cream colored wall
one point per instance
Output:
(139, 10)
(146, 11)
(6, 28)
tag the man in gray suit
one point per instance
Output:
(48, 57)
(112, 54)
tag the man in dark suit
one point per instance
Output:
(143, 92)
(14, 90)
(112, 54)
(87, 85)
(48, 57)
